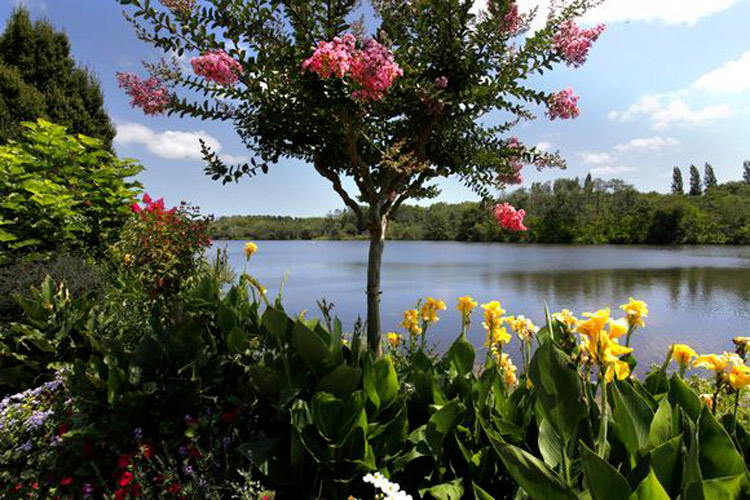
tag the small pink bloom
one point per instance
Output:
(509, 218)
(574, 43)
(217, 66)
(512, 20)
(563, 105)
(516, 165)
(150, 95)
(441, 82)
(179, 6)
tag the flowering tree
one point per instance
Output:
(393, 111)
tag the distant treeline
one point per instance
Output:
(566, 211)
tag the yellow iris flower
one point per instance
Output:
(636, 311)
(611, 359)
(592, 326)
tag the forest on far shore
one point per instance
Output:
(592, 211)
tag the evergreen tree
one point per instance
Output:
(677, 187)
(709, 178)
(588, 184)
(746, 172)
(39, 79)
(695, 181)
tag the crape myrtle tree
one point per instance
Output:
(393, 111)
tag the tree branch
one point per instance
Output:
(336, 181)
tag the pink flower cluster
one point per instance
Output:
(512, 20)
(217, 66)
(508, 217)
(372, 68)
(563, 105)
(179, 6)
(574, 43)
(515, 163)
(441, 82)
(150, 95)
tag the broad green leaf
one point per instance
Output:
(549, 444)
(237, 340)
(341, 382)
(666, 464)
(681, 394)
(461, 355)
(724, 488)
(453, 490)
(718, 455)
(650, 489)
(604, 482)
(441, 423)
(632, 416)
(661, 426)
(386, 381)
(312, 349)
(479, 493)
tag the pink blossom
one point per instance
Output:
(332, 58)
(563, 105)
(514, 162)
(372, 68)
(441, 82)
(151, 95)
(508, 217)
(512, 20)
(217, 66)
(574, 43)
(179, 6)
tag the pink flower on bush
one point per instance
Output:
(508, 217)
(179, 6)
(563, 105)
(441, 82)
(372, 68)
(151, 95)
(515, 163)
(217, 66)
(512, 20)
(574, 43)
(332, 58)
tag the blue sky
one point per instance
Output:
(667, 84)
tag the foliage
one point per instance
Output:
(709, 178)
(677, 187)
(561, 212)
(39, 79)
(695, 181)
(60, 190)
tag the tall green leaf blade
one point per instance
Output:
(718, 455)
(604, 482)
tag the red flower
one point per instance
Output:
(159, 479)
(18, 487)
(121, 494)
(174, 488)
(148, 451)
(35, 486)
(66, 481)
(126, 478)
(62, 429)
(135, 207)
(230, 415)
(135, 490)
(123, 461)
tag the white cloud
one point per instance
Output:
(665, 110)
(732, 76)
(234, 159)
(655, 143)
(543, 146)
(170, 144)
(611, 170)
(592, 158)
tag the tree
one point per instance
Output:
(709, 178)
(39, 79)
(677, 187)
(746, 171)
(695, 181)
(393, 112)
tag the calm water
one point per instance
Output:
(696, 295)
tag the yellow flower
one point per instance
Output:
(611, 359)
(683, 354)
(742, 344)
(466, 304)
(523, 327)
(509, 370)
(566, 318)
(493, 323)
(430, 308)
(636, 311)
(592, 326)
(617, 328)
(250, 249)
(713, 362)
(411, 322)
(708, 399)
(739, 376)
(393, 338)
(529, 383)
(127, 259)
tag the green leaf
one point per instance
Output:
(275, 322)
(386, 381)
(461, 355)
(733, 487)
(312, 349)
(681, 394)
(550, 444)
(533, 475)
(237, 340)
(718, 455)
(342, 381)
(336, 418)
(441, 423)
(479, 493)
(453, 490)
(632, 416)
(661, 426)
(604, 482)
(665, 462)
(650, 489)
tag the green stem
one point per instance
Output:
(736, 405)
(603, 419)
(716, 395)
(627, 338)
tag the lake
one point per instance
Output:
(698, 295)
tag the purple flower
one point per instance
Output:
(138, 434)
(88, 489)
(183, 451)
(188, 469)
(441, 82)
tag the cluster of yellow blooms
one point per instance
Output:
(429, 310)
(508, 369)
(411, 322)
(497, 334)
(250, 249)
(523, 327)
(728, 367)
(602, 346)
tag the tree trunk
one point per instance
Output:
(378, 227)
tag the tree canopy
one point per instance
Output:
(40, 79)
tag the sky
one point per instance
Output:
(667, 84)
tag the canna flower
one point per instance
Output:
(593, 326)
(617, 328)
(611, 359)
(523, 327)
(708, 399)
(566, 318)
(636, 311)
(715, 362)
(742, 345)
(682, 355)
(411, 322)
(497, 336)
(127, 259)
(466, 304)
(393, 338)
(250, 249)
(739, 376)
(509, 370)
(429, 309)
